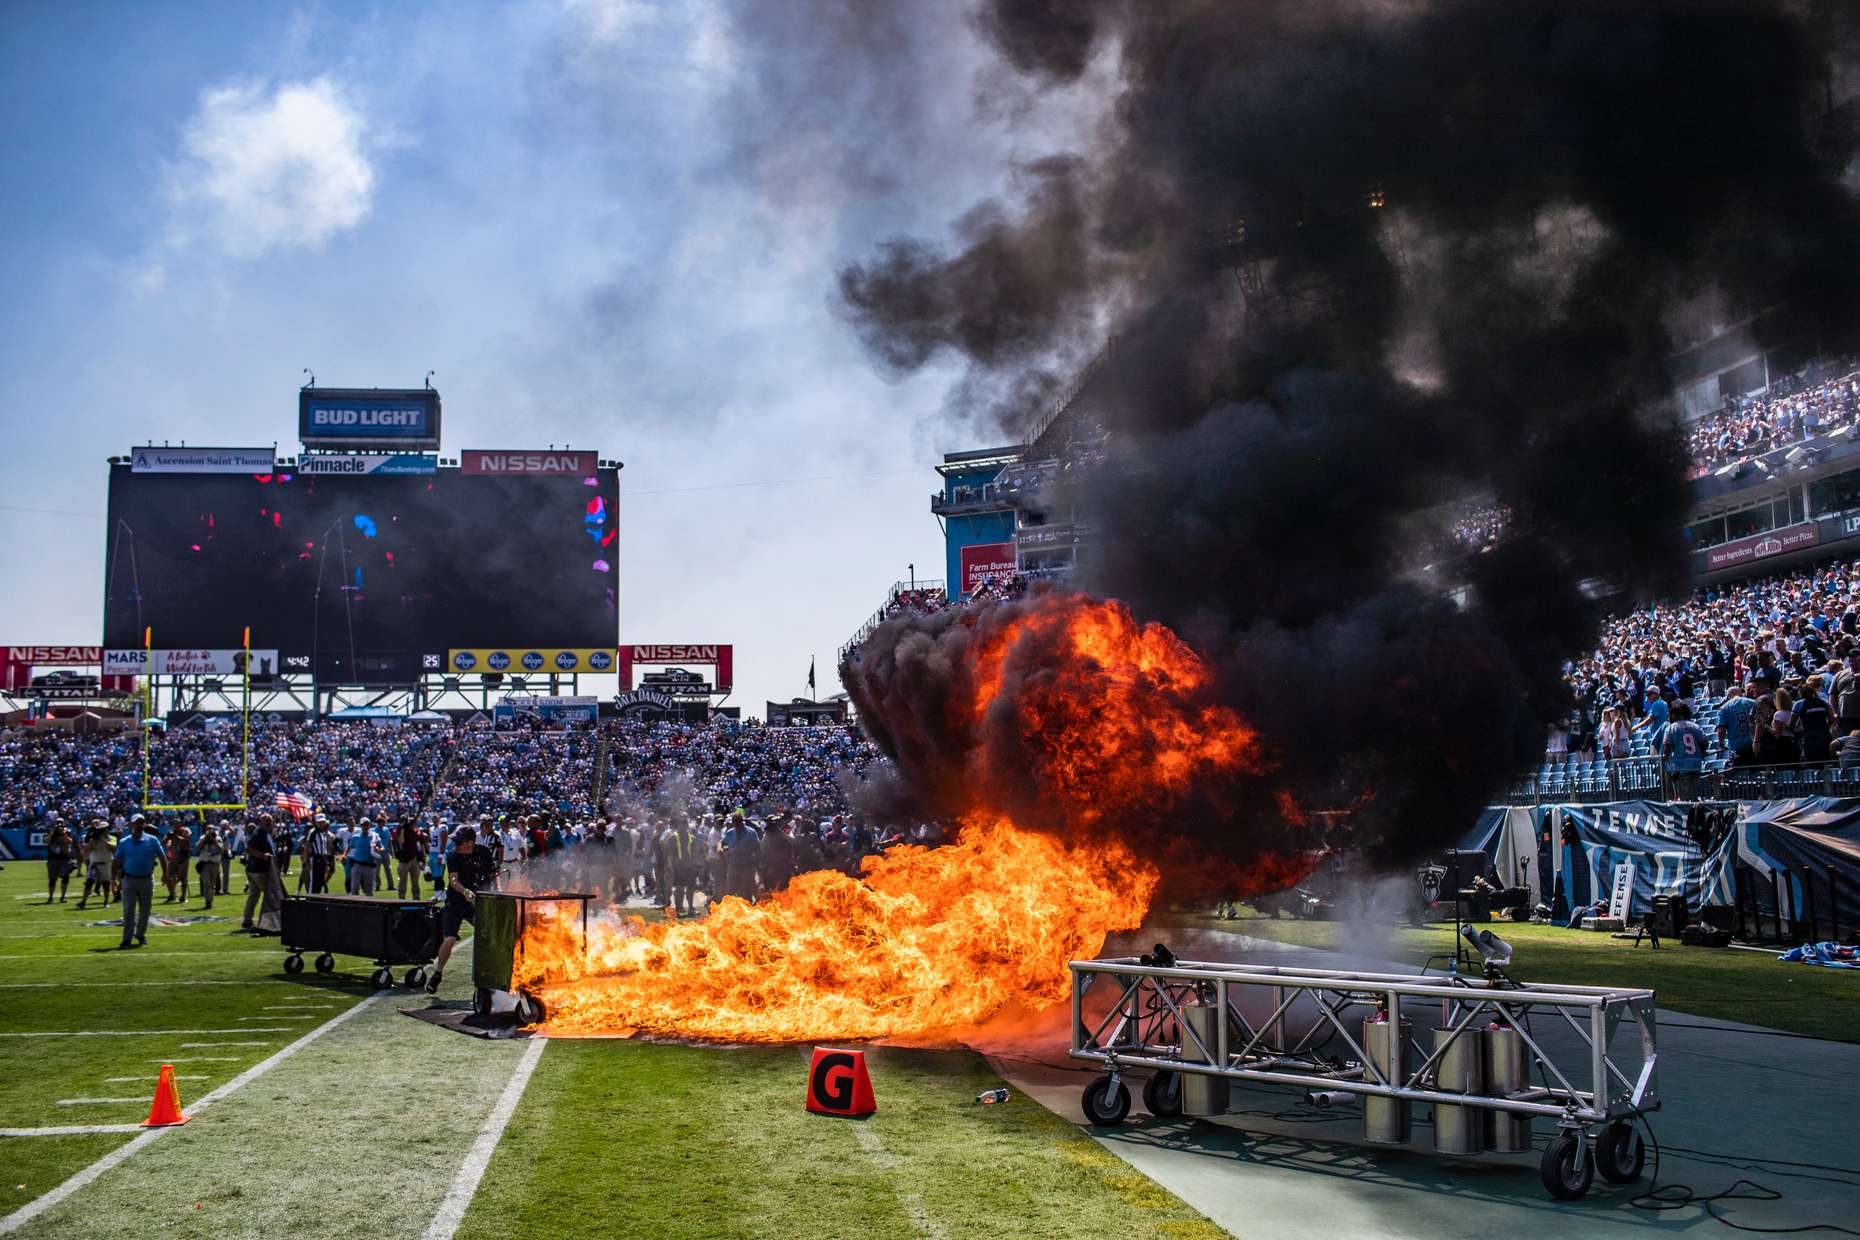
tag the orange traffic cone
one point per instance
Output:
(165, 1110)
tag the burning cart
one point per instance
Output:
(1197, 1026)
(501, 923)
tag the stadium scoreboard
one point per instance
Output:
(367, 575)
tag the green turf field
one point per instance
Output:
(365, 1131)
(1728, 983)
(213, 1002)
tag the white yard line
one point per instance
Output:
(146, 1033)
(923, 1222)
(243, 1019)
(465, 1185)
(138, 954)
(32, 1209)
(99, 1102)
(189, 1046)
(150, 1076)
(70, 1130)
(204, 1058)
(248, 981)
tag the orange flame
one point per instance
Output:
(930, 939)
(927, 939)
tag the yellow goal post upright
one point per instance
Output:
(245, 731)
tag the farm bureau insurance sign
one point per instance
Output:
(1763, 546)
(981, 561)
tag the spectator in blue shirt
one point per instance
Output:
(1682, 749)
(1737, 726)
(137, 855)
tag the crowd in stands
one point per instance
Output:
(1773, 664)
(1822, 399)
(625, 779)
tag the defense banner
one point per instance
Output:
(1590, 841)
(202, 460)
(531, 462)
(518, 659)
(980, 561)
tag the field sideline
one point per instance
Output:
(366, 1129)
(1728, 983)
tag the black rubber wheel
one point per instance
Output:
(481, 1000)
(381, 979)
(1106, 1102)
(530, 1009)
(416, 978)
(1162, 1094)
(1620, 1154)
(1566, 1168)
(293, 964)
(326, 963)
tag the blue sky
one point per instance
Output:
(601, 222)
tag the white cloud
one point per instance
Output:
(263, 169)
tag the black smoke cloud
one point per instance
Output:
(1360, 260)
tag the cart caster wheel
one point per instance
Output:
(1620, 1154)
(1566, 1168)
(326, 963)
(381, 979)
(1162, 1094)
(415, 978)
(530, 1009)
(1107, 1102)
(481, 1001)
(293, 964)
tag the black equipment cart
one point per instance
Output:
(388, 932)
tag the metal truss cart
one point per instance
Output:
(1195, 1027)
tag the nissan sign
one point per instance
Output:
(720, 656)
(528, 462)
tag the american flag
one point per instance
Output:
(298, 805)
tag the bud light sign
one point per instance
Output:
(368, 418)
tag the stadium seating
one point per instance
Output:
(442, 773)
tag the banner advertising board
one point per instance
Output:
(202, 460)
(981, 561)
(529, 461)
(721, 657)
(332, 464)
(190, 662)
(524, 659)
(1762, 546)
(562, 709)
(17, 662)
(677, 682)
(368, 418)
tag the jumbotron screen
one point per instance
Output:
(365, 578)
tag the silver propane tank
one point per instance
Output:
(1386, 1120)
(1507, 1071)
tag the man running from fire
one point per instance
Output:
(469, 870)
